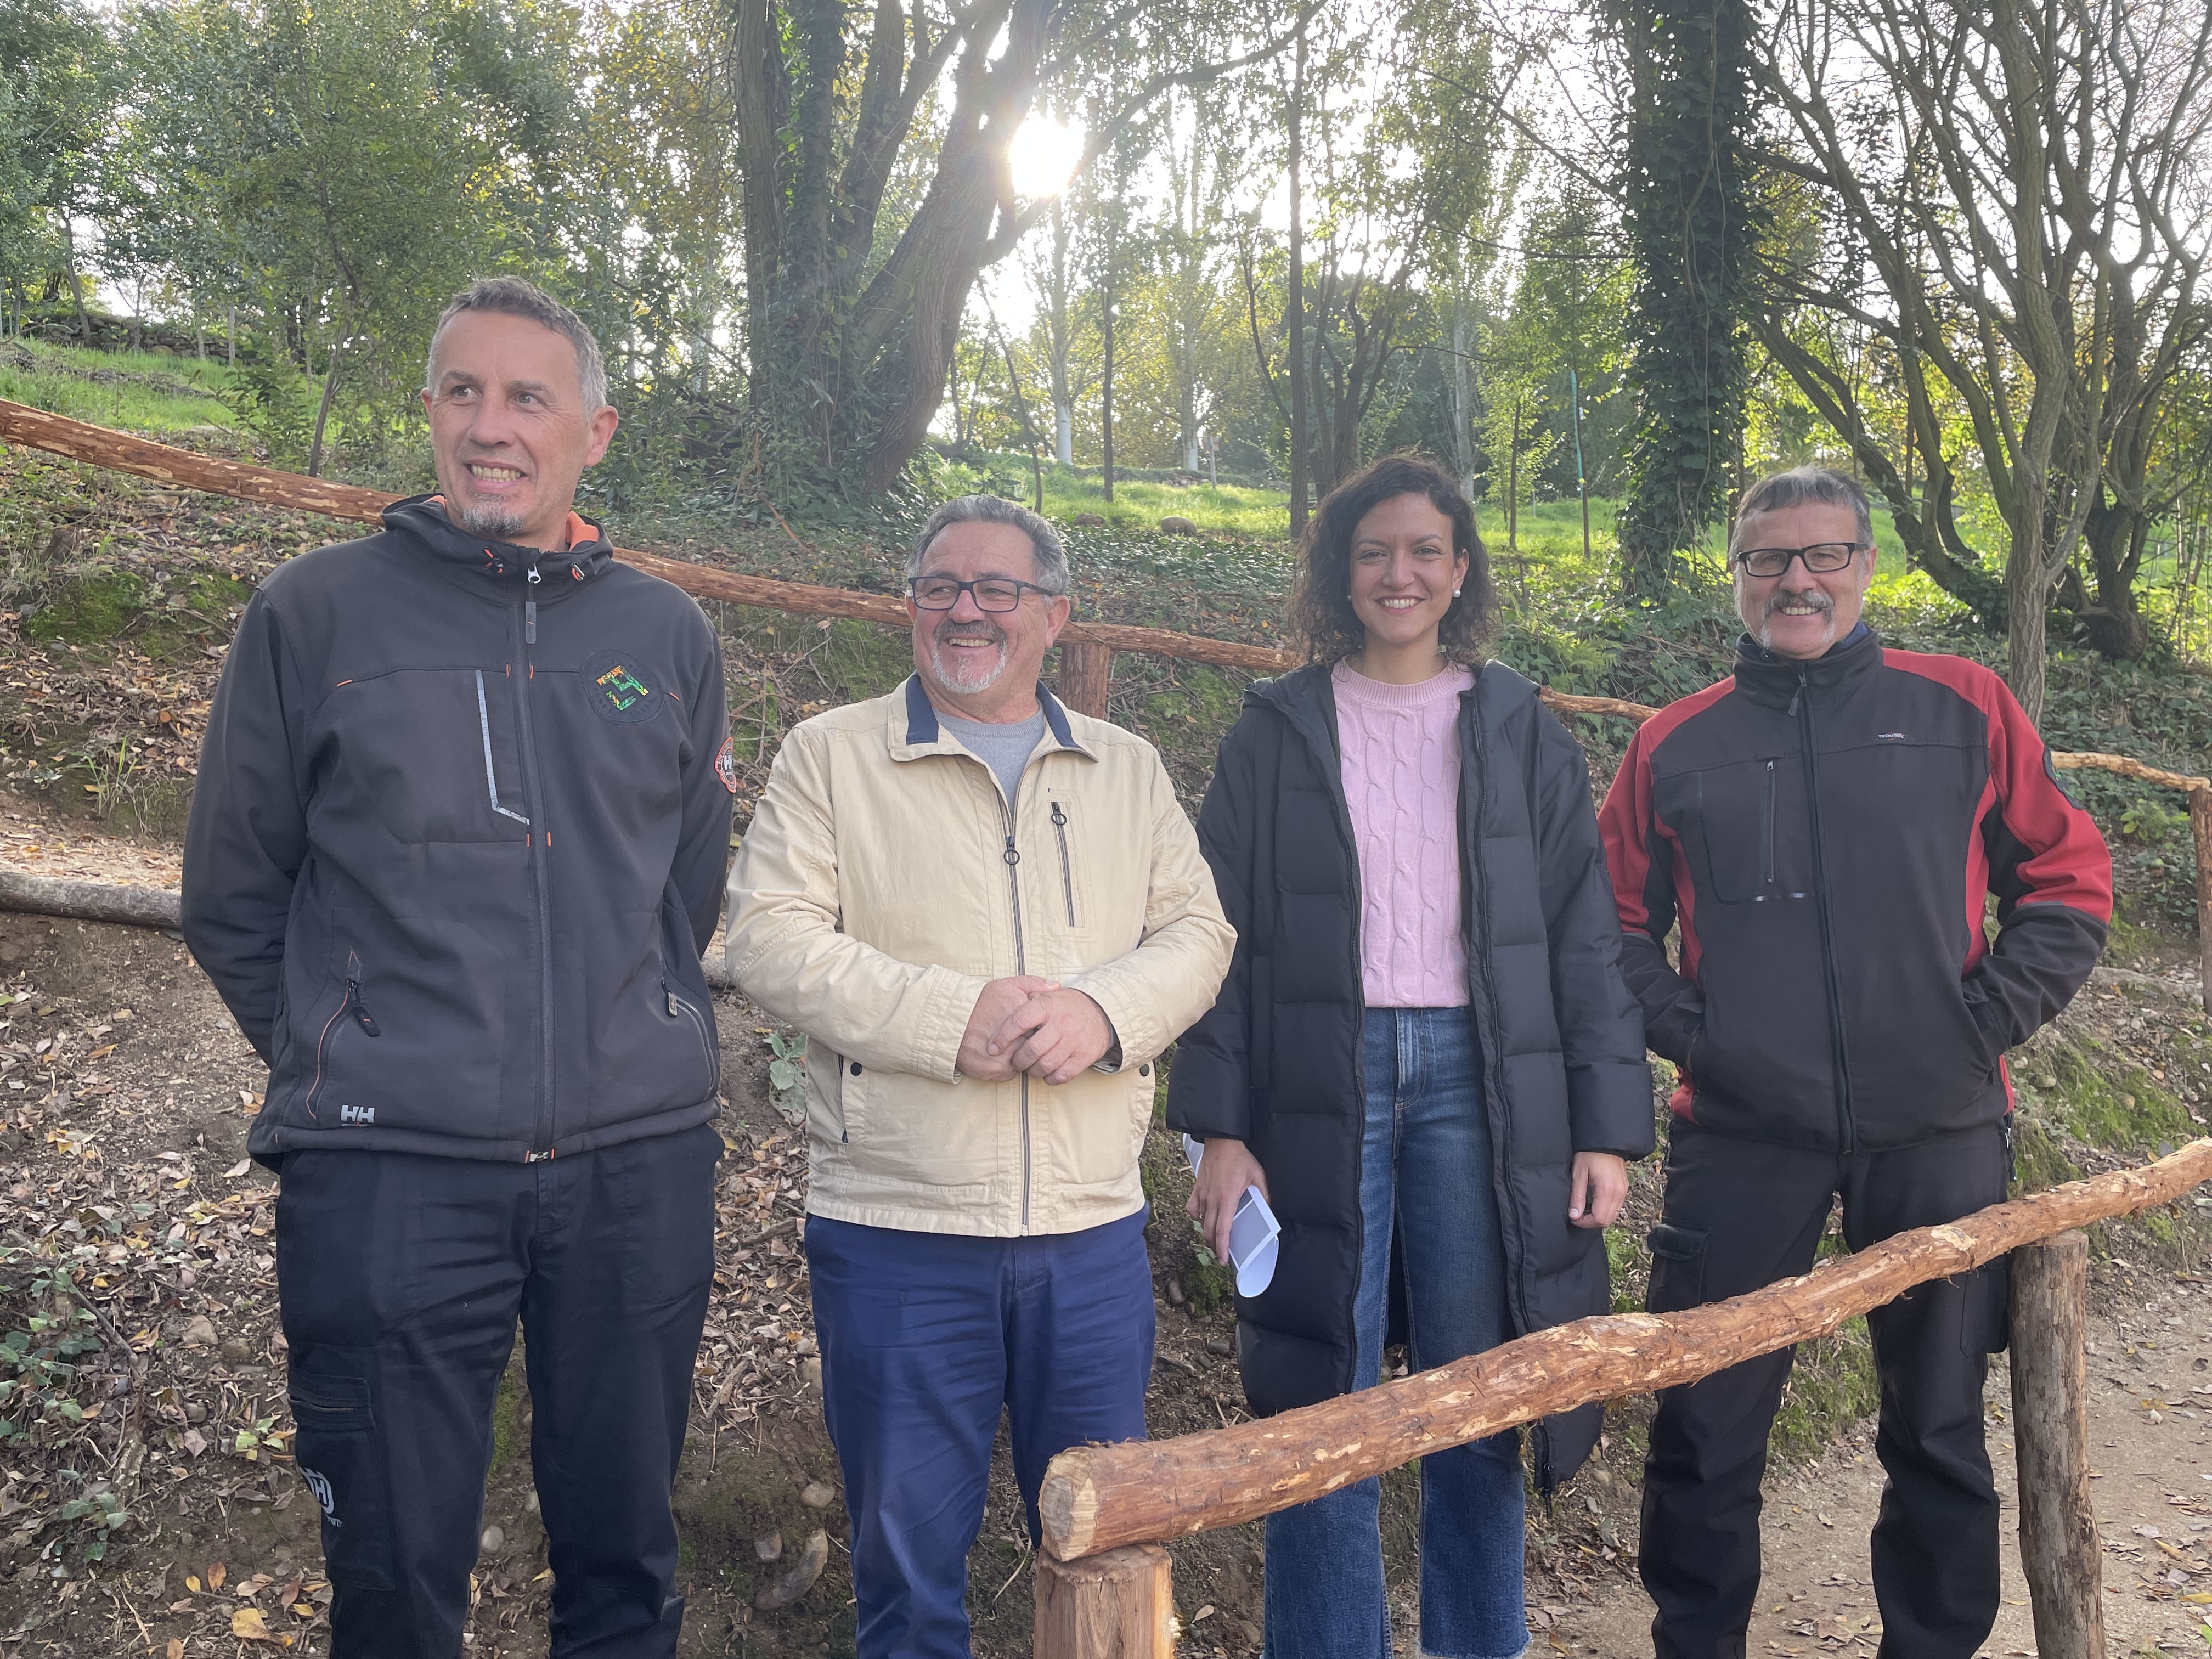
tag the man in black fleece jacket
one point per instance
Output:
(1826, 828)
(457, 843)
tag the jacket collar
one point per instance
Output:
(1767, 678)
(915, 730)
(420, 520)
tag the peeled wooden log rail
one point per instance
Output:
(1087, 648)
(1096, 1497)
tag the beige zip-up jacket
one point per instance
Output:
(881, 886)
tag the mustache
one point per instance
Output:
(986, 630)
(1814, 596)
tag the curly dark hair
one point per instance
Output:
(1321, 603)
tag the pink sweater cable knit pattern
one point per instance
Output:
(1401, 747)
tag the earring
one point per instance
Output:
(1454, 592)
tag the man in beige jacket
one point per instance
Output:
(989, 916)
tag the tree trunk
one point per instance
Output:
(1106, 394)
(1462, 395)
(2058, 1543)
(75, 283)
(1063, 431)
(1294, 308)
(323, 413)
(2115, 534)
(2200, 827)
(230, 339)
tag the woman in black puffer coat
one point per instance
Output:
(1425, 1053)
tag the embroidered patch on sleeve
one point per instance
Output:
(725, 766)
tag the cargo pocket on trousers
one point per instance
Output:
(340, 1458)
(1678, 1268)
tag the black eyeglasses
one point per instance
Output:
(992, 592)
(1820, 557)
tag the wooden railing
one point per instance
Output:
(1087, 648)
(1103, 1590)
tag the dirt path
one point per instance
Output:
(2150, 1414)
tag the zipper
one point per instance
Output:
(1767, 825)
(540, 882)
(350, 1003)
(1477, 901)
(1012, 856)
(679, 1009)
(1066, 869)
(1839, 1058)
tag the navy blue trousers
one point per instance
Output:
(925, 1338)
(402, 1278)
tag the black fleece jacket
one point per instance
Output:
(1827, 836)
(457, 840)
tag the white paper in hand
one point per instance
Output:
(1253, 1232)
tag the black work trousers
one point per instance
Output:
(1742, 1213)
(402, 1278)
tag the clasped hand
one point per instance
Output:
(1034, 1025)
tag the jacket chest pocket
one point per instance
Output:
(1067, 868)
(1752, 823)
(433, 755)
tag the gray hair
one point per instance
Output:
(518, 296)
(1044, 540)
(1778, 491)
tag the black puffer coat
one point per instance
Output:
(1277, 1062)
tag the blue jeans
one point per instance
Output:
(925, 1338)
(1426, 1172)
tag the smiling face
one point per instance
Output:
(983, 665)
(1800, 613)
(1403, 573)
(510, 428)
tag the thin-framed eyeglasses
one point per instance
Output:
(1820, 557)
(992, 592)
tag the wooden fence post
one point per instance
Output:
(1116, 1605)
(2200, 821)
(1086, 674)
(2058, 1542)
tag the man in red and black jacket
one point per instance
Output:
(1828, 827)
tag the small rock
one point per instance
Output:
(769, 1546)
(492, 1540)
(1174, 525)
(810, 1373)
(800, 1577)
(1089, 521)
(1220, 1345)
(530, 1505)
(1176, 1297)
(195, 1413)
(199, 1332)
(11, 952)
(816, 1496)
(807, 1349)
(236, 1352)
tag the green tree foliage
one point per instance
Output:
(1690, 213)
(57, 83)
(342, 167)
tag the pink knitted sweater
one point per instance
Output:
(1401, 782)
